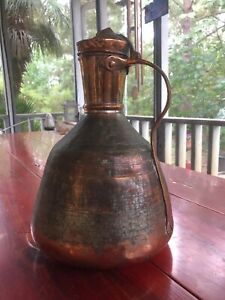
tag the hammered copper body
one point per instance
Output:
(102, 201)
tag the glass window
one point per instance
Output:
(128, 19)
(197, 63)
(197, 58)
(40, 37)
(88, 19)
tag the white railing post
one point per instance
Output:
(135, 124)
(215, 150)
(182, 136)
(29, 124)
(168, 143)
(41, 124)
(145, 130)
(198, 148)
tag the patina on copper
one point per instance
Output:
(103, 201)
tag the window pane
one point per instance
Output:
(88, 19)
(196, 57)
(129, 21)
(41, 49)
(197, 63)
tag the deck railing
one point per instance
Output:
(200, 137)
(28, 121)
(188, 142)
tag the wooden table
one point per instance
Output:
(191, 266)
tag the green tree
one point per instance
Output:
(197, 57)
(31, 25)
(34, 27)
(48, 83)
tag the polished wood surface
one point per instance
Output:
(191, 267)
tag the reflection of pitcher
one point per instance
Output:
(103, 200)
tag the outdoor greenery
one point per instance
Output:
(43, 62)
(197, 57)
(34, 28)
(48, 83)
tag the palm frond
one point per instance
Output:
(17, 6)
(54, 13)
(45, 39)
(30, 25)
(20, 43)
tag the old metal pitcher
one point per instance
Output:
(103, 200)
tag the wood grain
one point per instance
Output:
(205, 190)
(192, 266)
(197, 250)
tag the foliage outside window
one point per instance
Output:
(40, 37)
(43, 72)
(197, 57)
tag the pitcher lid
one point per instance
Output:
(107, 41)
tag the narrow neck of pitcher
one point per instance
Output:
(103, 108)
(103, 89)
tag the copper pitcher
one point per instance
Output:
(103, 200)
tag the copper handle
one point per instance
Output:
(168, 101)
(169, 218)
(116, 63)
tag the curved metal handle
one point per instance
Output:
(117, 63)
(168, 101)
(169, 218)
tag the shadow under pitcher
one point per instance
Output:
(103, 200)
